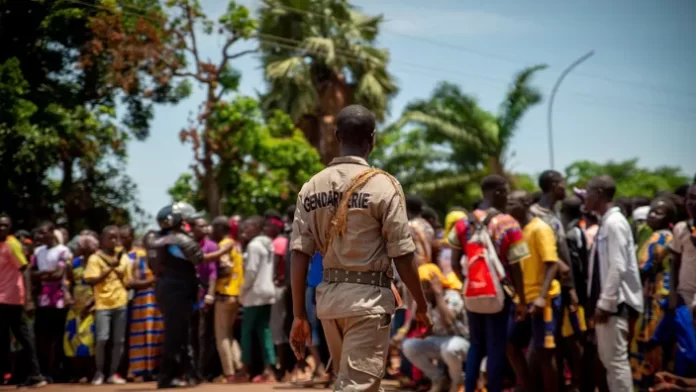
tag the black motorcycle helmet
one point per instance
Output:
(168, 218)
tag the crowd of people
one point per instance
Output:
(604, 295)
(545, 291)
(600, 295)
(85, 310)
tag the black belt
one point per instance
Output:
(380, 279)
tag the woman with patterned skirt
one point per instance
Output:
(654, 260)
(80, 330)
(146, 328)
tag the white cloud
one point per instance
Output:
(439, 22)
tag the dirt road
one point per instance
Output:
(148, 387)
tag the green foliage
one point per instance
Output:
(526, 182)
(631, 180)
(320, 56)
(261, 164)
(61, 152)
(441, 147)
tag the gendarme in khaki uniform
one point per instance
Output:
(354, 301)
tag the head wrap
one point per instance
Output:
(641, 213)
(428, 271)
(276, 222)
(452, 218)
(87, 243)
(234, 229)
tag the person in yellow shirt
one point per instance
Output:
(229, 282)
(542, 292)
(109, 272)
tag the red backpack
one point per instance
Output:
(483, 288)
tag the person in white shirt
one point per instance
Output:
(258, 294)
(614, 283)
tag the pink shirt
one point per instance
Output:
(48, 259)
(12, 261)
(280, 247)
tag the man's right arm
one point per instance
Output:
(93, 274)
(190, 248)
(400, 247)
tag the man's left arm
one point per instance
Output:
(617, 259)
(549, 255)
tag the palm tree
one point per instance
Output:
(457, 139)
(318, 57)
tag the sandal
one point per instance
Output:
(263, 379)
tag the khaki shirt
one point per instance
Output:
(377, 231)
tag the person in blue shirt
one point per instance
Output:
(314, 278)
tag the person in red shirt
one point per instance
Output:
(488, 332)
(14, 296)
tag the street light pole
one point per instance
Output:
(553, 95)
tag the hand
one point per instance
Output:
(601, 316)
(208, 300)
(300, 337)
(436, 285)
(68, 299)
(574, 301)
(520, 312)
(423, 320)
(538, 306)
(399, 337)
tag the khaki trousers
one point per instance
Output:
(227, 345)
(358, 347)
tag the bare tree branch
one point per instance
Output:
(225, 56)
(194, 45)
(243, 53)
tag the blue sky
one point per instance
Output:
(634, 98)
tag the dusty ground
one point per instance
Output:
(147, 387)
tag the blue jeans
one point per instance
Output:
(110, 324)
(488, 338)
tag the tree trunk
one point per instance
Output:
(210, 185)
(328, 146)
(309, 124)
(66, 187)
(334, 95)
(495, 166)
